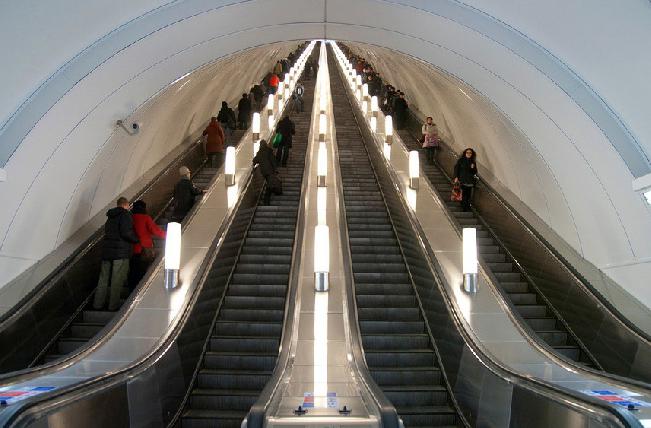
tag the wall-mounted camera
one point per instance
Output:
(132, 129)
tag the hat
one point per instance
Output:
(184, 170)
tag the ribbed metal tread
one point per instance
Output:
(392, 330)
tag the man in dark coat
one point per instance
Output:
(184, 194)
(267, 166)
(119, 238)
(244, 111)
(226, 118)
(400, 108)
(287, 130)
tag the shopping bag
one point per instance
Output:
(276, 140)
(456, 193)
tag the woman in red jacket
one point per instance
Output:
(143, 252)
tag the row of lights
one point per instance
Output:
(285, 88)
(321, 230)
(470, 264)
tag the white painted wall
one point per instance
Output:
(541, 69)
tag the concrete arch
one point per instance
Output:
(582, 141)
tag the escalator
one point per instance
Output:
(245, 337)
(87, 322)
(400, 353)
(529, 303)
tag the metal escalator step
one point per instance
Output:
(270, 315)
(500, 267)
(417, 395)
(359, 267)
(229, 379)
(391, 327)
(388, 342)
(386, 301)
(202, 418)
(253, 302)
(553, 337)
(394, 314)
(99, 317)
(571, 352)
(508, 276)
(239, 360)
(245, 344)
(84, 330)
(67, 345)
(258, 290)
(266, 259)
(515, 287)
(384, 288)
(407, 376)
(234, 328)
(373, 278)
(541, 323)
(401, 358)
(532, 311)
(523, 298)
(267, 268)
(223, 399)
(428, 416)
(261, 278)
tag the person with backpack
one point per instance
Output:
(185, 193)
(119, 236)
(244, 111)
(226, 117)
(267, 165)
(287, 129)
(430, 139)
(465, 172)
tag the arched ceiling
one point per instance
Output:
(72, 68)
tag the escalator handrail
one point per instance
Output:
(116, 321)
(31, 297)
(537, 386)
(525, 328)
(29, 409)
(571, 270)
(255, 418)
(388, 412)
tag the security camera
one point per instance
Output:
(132, 130)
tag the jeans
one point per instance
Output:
(431, 154)
(282, 154)
(113, 275)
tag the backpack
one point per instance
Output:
(278, 138)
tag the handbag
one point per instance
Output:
(148, 254)
(456, 195)
(278, 138)
(430, 141)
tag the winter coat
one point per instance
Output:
(430, 130)
(465, 170)
(274, 81)
(145, 228)
(243, 109)
(226, 117)
(278, 68)
(215, 140)
(184, 195)
(118, 235)
(286, 129)
(266, 159)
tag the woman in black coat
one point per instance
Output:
(464, 173)
(267, 164)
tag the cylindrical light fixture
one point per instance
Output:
(322, 165)
(373, 123)
(286, 79)
(414, 169)
(280, 92)
(388, 129)
(271, 120)
(386, 149)
(375, 107)
(323, 126)
(365, 90)
(358, 81)
(470, 259)
(411, 196)
(321, 257)
(172, 254)
(288, 94)
(229, 166)
(255, 126)
(270, 104)
(364, 106)
(321, 204)
(323, 101)
(358, 95)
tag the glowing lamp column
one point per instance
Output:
(323, 126)
(388, 130)
(255, 132)
(375, 107)
(322, 165)
(470, 259)
(172, 255)
(229, 166)
(270, 111)
(414, 169)
(323, 101)
(321, 257)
